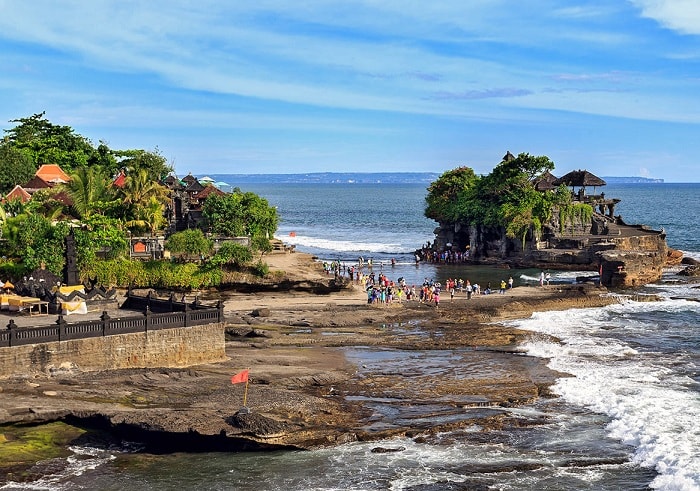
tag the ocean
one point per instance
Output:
(627, 413)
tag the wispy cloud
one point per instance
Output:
(679, 15)
(482, 94)
(368, 68)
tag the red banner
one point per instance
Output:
(240, 377)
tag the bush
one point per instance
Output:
(157, 274)
(261, 268)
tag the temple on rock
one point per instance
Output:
(584, 235)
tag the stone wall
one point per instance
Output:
(171, 348)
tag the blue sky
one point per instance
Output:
(310, 86)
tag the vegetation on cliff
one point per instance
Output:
(506, 198)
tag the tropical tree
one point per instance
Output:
(99, 236)
(189, 243)
(232, 254)
(504, 198)
(89, 191)
(141, 196)
(240, 214)
(442, 201)
(38, 242)
(45, 142)
(155, 165)
(16, 167)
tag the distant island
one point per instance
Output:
(366, 178)
(331, 178)
(631, 180)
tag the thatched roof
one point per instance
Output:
(508, 157)
(545, 182)
(579, 178)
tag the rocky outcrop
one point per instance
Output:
(624, 255)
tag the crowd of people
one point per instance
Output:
(381, 290)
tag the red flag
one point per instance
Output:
(240, 377)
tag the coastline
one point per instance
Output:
(305, 391)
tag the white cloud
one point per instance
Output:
(682, 16)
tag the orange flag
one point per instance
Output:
(240, 377)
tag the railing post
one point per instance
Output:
(13, 331)
(61, 327)
(105, 322)
(187, 313)
(148, 318)
(220, 308)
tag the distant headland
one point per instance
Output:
(367, 178)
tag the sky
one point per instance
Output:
(272, 86)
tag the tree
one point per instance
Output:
(99, 236)
(190, 243)
(232, 254)
(504, 198)
(88, 189)
(16, 167)
(441, 201)
(37, 241)
(155, 165)
(240, 214)
(142, 195)
(47, 143)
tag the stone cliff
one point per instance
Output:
(623, 255)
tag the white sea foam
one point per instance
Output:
(650, 405)
(82, 460)
(346, 245)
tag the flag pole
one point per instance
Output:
(245, 392)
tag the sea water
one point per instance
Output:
(627, 412)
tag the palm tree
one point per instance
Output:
(145, 198)
(88, 189)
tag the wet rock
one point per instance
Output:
(261, 312)
(387, 449)
(257, 424)
(691, 270)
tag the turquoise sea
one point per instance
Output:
(627, 413)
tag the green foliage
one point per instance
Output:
(240, 214)
(46, 203)
(231, 254)
(10, 269)
(574, 214)
(155, 165)
(36, 241)
(261, 268)
(504, 198)
(46, 143)
(141, 195)
(16, 167)
(189, 243)
(156, 274)
(261, 244)
(14, 207)
(99, 237)
(445, 194)
(89, 190)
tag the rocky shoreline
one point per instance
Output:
(309, 387)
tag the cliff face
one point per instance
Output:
(624, 255)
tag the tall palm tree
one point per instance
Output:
(145, 198)
(88, 189)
